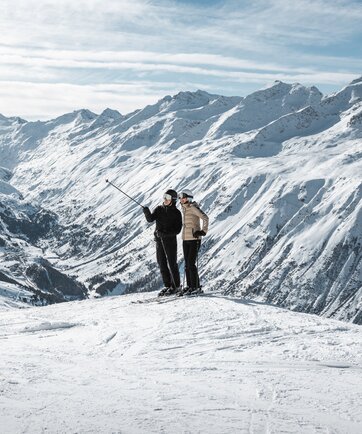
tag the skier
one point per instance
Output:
(191, 236)
(168, 224)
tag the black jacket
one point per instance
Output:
(168, 220)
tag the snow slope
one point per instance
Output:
(25, 275)
(278, 172)
(211, 364)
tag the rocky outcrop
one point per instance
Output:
(56, 285)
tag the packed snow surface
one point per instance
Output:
(211, 364)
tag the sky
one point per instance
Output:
(58, 56)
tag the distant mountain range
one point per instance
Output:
(279, 173)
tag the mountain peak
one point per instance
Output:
(85, 114)
(272, 91)
(278, 84)
(8, 121)
(186, 100)
(189, 94)
(109, 113)
(107, 117)
(357, 80)
(295, 95)
(82, 115)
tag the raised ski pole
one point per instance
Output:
(129, 197)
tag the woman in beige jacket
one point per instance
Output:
(191, 236)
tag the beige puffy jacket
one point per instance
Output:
(192, 215)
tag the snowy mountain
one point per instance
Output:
(278, 172)
(26, 275)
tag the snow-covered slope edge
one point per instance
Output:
(278, 172)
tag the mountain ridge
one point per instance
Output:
(273, 170)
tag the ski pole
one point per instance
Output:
(134, 200)
(197, 263)
(183, 281)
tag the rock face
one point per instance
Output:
(60, 286)
(278, 172)
(25, 230)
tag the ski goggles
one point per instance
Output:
(167, 196)
(183, 196)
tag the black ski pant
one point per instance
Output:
(166, 253)
(191, 249)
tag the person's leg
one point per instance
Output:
(170, 245)
(162, 263)
(186, 250)
(192, 258)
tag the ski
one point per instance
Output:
(157, 299)
(146, 300)
(200, 294)
(167, 298)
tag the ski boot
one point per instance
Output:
(193, 291)
(163, 291)
(173, 291)
(183, 291)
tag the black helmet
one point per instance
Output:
(173, 194)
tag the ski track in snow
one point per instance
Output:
(210, 364)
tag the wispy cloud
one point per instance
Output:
(105, 59)
(48, 100)
(183, 63)
(233, 45)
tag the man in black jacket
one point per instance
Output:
(168, 224)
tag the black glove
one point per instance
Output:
(146, 211)
(198, 234)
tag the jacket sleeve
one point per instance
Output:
(150, 217)
(205, 219)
